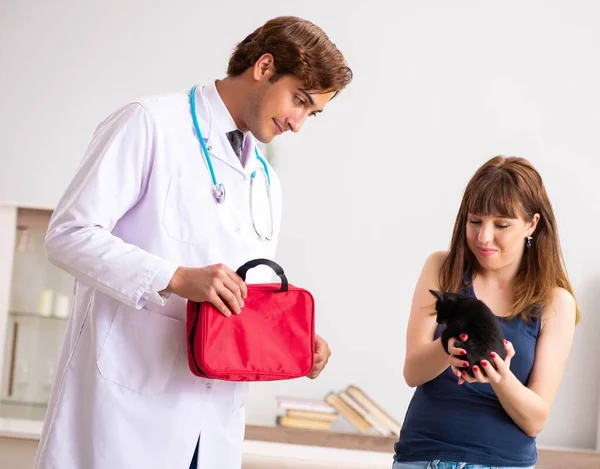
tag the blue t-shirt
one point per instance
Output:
(467, 423)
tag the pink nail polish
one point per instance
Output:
(463, 337)
(484, 363)
(493, 354)
(462, 352)
(475, 368)
(465, 363)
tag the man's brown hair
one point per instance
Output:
(299, 48)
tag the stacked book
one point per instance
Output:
(352, 404)
(362, 412)
(312, 414)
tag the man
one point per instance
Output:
(143, 227)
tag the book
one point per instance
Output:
(305, 414)
(347, 412)
(286, 421)
(309, 405)
(374, 420)
(373, 409)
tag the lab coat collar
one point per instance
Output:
(216, 123)
(222, 120)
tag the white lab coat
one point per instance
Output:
(141, 204)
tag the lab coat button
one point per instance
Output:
(238, 229)
(208, 385)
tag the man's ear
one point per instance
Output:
(264, 67)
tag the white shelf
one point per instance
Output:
(19, 428)
(27, 315)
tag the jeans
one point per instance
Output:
(437, 464)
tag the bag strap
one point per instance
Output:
(243, 270)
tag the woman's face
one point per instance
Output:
(498, 242)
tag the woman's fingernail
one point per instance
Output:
(475, 368)
(462, 352)
(505, 341)
(463, 337)
(465, 363)
(493, 354)
(484, 363)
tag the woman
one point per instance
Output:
(505, 251)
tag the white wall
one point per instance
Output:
(372, 185)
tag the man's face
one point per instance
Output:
(276, 107)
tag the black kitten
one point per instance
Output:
(466, 315)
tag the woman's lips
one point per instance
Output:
(486, 251)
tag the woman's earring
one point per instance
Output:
(528, 242)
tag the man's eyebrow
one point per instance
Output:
(308, 96)
(310, 100)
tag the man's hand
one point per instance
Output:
(322, 354)
(217, 284)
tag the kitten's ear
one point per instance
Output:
(439, 295)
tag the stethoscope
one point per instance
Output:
(218, 187)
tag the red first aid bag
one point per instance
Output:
(271, 339)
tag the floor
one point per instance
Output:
(20, 454)
(261, 463)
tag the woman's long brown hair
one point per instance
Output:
(511, 187)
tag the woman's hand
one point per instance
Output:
(456, 355)
(492, 375)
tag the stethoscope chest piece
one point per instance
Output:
(220, 193)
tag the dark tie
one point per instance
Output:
(236, 138)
